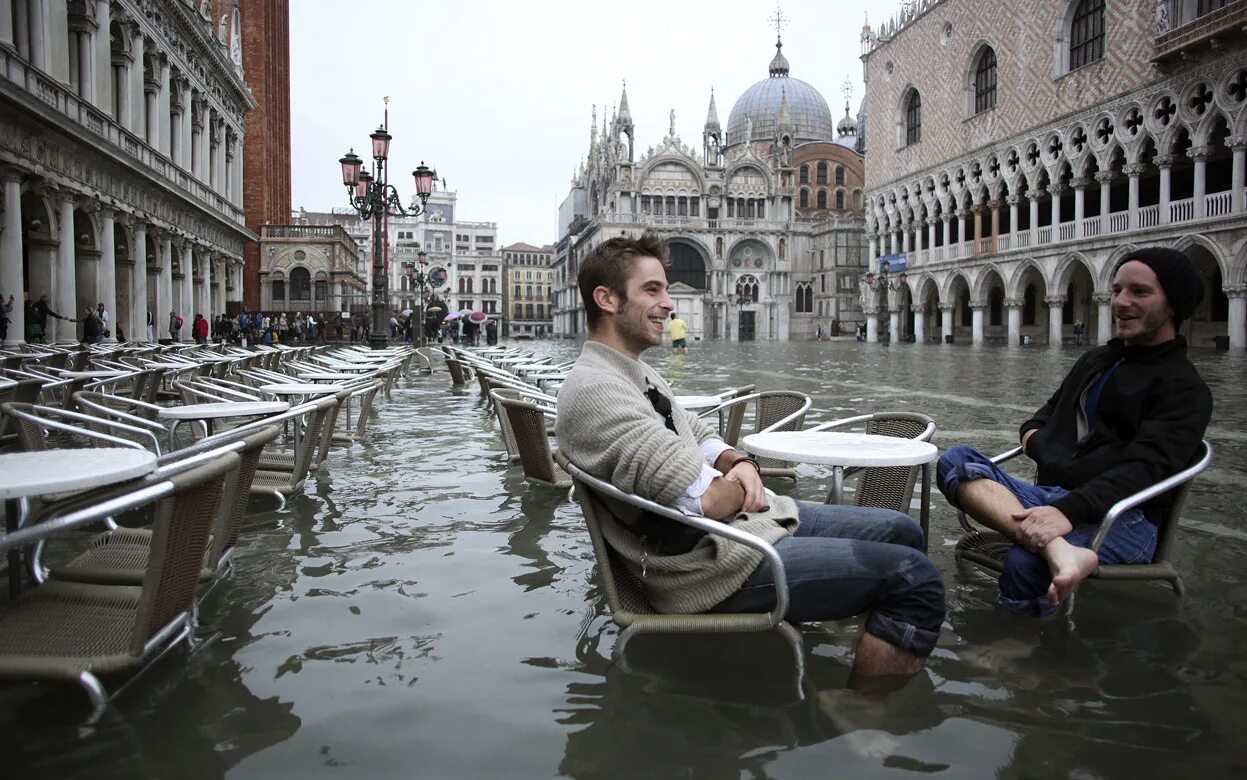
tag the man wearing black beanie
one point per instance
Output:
(1128, 414)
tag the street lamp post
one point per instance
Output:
(418, 280)
(374, 198)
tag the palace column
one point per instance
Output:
(164, 294)
(995, 207)
(976, 321)
(221, 277)
(920, 323)
(1104, 317)
(1012, 200)
(947, 219)
(1056, 328)
(138, 124)
(186, 285)
(1134, 171)
(946, 319)
(1055, 189)
(103, 68)
(1034, 197)
(1013, 313)
(11, 255)
(1200, 155)
(108, 270)
(1105, 178)
(930, 234)
(1238, 175)
(894, 323)
(7, 39)
(965, 228)
(203, 300)
(1237, 325)
(1164, 163)
(1080, 203)
(137, 329)
(66, 286)
(874, 249)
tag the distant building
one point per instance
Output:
(764, 225)
(1019, 148)
(527, 293)
(310, 269)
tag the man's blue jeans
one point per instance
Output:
(846, 560)
(1026, 576)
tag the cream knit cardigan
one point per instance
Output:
(608, 427)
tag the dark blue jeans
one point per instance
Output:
(1026, 576)
(846, 560)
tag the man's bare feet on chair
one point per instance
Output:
(1070, 565)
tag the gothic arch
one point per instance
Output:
(946, 295)
(1016, 285)
(648, 167)
(1066, 266)
(745, 254)
(1195, 239)
(689, 263)
(981, 286)
(925, 286)
(1104, 279)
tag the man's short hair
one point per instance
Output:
(610, 264)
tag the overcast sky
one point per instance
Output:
(497, 94)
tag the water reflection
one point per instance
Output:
(422, 611)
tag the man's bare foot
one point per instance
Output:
(1070, 565)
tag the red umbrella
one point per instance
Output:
(477, 316)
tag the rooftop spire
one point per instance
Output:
(779, 65)
(784, 119)
(625, 115)
(712, 116)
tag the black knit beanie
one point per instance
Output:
(1183, 286)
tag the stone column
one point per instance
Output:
(874, 250)
(1034, 197)
(1238, 174)
(165, 290)
(1237, 325)
(222, 276)
(920, 322)
(872, 327)
(948, 230)
(965, 226)
(164, 126)
(137, 122)
(39, 34)
(102, 53)
(187, 283)
(1012, 200)
(227, 170)
(930, 234)
(946, 319)
(1105, 178)
(177, 147)
(1104, 317)
(137, 326)
(1056, 329)
(11, 255)
(1200, 155)
(66, 287)
(188, 140)
(995, 207)
(977, 208)
(905, 231)
(1080, 207)
(195, 109)
(1134, 171)
(894, 325)
(151, 95)
(7, 39)
(203, 302)
(1013, 314)
(1055, 189)
(1164, 163)
(108, 271)
(976, 321)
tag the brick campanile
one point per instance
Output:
(266, 147)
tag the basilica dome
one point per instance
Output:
(807, 110)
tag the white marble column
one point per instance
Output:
(7, 38)
(187, 297)
(931, 233)
(108, 271)
(1056, 328)
(164, 140)
(946, 320)
(1012, 200)
(920, 323)
(976, 322)
(894, 325)
(152, 114)
(222, 276)
(40, 45)
(1033, 197)
(966, 235)
(1200, 155)
(203, 292)
(66, 284)
(1238, 174)
(1134, 171)
(1013, 316)
(164, 295)
(11, 256)
(137, 326)
(138, 123)
(1080, 204)
(1164, 163)
(102, 46)
(1104, 317)
(947, 219)
(872, 327)
(874, 251)
(1237, 325)
(1055, 189)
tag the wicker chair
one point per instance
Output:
(545, 403)
(774, 410)
(272, 478)
(988, 548)
(119, 556)
(366, 394)
(532, 440)
(72, 632)
(891, 487)
(625, 592)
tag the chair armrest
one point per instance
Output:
(1007, 455)
(842, 422)
(1148, 493)
(701, 523)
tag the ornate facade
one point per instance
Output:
(1018, 149)
(764, 223)
(527, 292)
(121, 128)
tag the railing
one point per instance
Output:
(962, 250)
(1217, 204)
(1180, 25)
(1065, 231)
(1091, 227)
(1043, 235)
(1181, 210)
(937, 254)
(1004, 242)
(1149, 216)
(1022, 239)
(1118, 222)
(985, 245)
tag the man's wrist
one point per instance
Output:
(744, 459)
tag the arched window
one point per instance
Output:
(913, 118)
(985, 81)
(840, 200)
(1086, 34)
(800, 298)
(300, 284)
(803, 200)
(840, 175)
(462, 285)
(822, 199)
(805, 174)
(279, 290)
(322, 290)
(822, 172)
(747, 288)
(809, 298)
(686, 266)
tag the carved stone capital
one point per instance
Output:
(1200, 152)
(1102, 299)
(1235, 291)
(1079, 182)
(1054, 300)
(1134, 170)
(947, 307)
(1014, 303)
(1104, 177)
(1164, 160)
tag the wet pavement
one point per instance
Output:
(424, 612)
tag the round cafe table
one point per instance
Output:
(299, 392)
(26, 474)
(329, 376)
(217, 411)
(698, 402)
(842, 449)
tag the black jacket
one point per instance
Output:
(1149, 424)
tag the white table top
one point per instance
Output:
(221, 409)
(328, 376)
(695, 402)
(56, 471)
(835, 448)
(97, 374)
(301, 388)
(170, 366)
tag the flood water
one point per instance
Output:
(424, 612)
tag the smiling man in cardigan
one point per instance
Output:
(617, 419)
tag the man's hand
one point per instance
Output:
(1027, 437)
(747, 476)
(1040, 526)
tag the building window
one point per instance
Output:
(528, 291)
(300, 284)
(518, 311)
(803, 200)
(279, 290)
(528, 311)
(985, 81)
(913, 118)
(805, 174)
(840, 199)
(1086, 35)
(822, 199)
(322, 291)
(840, 175)
(822, 173)
(517, 291)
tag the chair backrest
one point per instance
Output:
(893, 487)
(504, 420)
(180, 533)
(528, 424)
(456, 372)
(235, 493)
(774, 410)
(1166, 530)
(312, 443)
